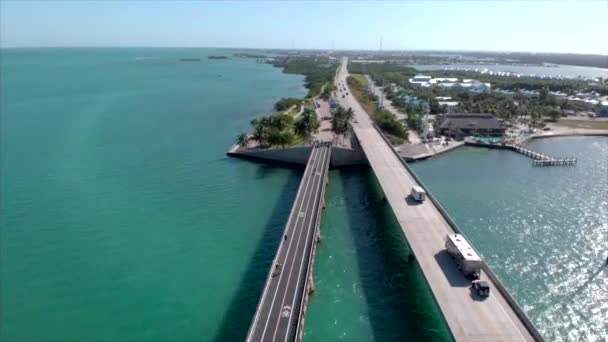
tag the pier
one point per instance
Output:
(280, 313)
(538, 159)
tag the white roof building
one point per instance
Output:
(421, 80)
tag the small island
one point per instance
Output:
(218, 57)
(189, 59)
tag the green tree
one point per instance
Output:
(242, 139)
(349, 114)
(554, 114)
(260, 134)
(306, 125)
(281, 121)
(286, 103)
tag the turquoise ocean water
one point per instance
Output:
(122, 218)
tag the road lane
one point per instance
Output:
(272, 283)
(302, 265)
(279, 308)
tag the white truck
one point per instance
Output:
(469, 263)
(418, 193)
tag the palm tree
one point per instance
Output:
(302, 128)
(281, 121)
(259, 134)
(307, 124)
(349, 115)
(242, 139)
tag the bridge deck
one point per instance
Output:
(280, 308)
(468, 318)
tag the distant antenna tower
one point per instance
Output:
(380, 44)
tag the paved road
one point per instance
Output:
(468, 317)
(278, 311)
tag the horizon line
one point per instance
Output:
(299, 49)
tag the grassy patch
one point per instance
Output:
(357, 87)
(589, 124)
(384, 119)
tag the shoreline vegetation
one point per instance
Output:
(318, 71)
(533, 111)
(387, 122)
(294, 120)
(485, 58)
(218, 57)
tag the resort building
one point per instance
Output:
(421, 80)
(451, 84)
(467, 124)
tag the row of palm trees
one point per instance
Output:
(280, 129)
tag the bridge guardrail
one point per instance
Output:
(503, 290)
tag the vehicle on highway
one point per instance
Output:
(467, 260)
(481, 288)
(277, 270)
(418, 194)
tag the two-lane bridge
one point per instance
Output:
(281, 309)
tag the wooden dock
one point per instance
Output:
(538, 159)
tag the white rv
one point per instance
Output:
(469, 263)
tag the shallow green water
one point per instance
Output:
(122, 218)
(543, 230)
(365, 287)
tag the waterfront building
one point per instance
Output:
(460, 125)
(421, 80)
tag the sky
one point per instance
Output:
(540, 26)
